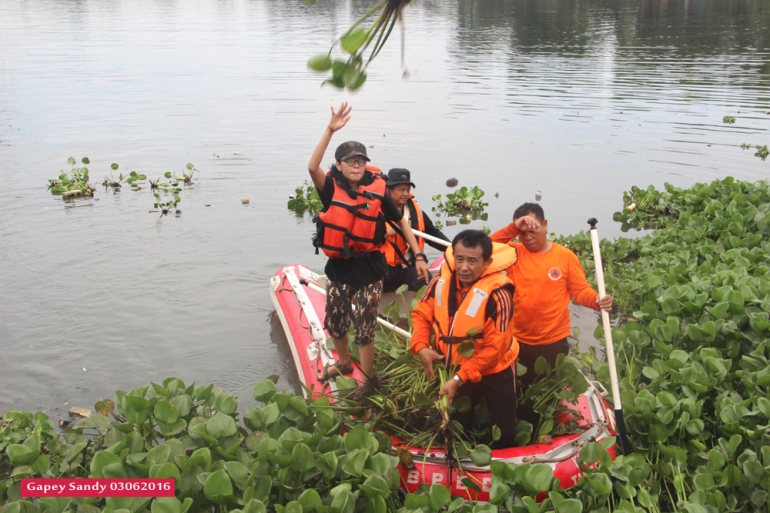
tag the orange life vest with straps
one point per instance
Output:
(395, 246)
(467, 320)
(353, 224)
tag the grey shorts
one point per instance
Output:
(366, 301)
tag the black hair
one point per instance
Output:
(474, 239)
(529, 208)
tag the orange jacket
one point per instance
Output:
(395, 246)
(494, 349)
(544, 283)
(354, 222)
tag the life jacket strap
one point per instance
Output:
(452, 340)
(356, 210)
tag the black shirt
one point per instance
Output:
(362, 270)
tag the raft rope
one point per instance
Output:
(309, 327)
(300, 311)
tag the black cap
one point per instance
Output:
(398, 176)
(350, 149)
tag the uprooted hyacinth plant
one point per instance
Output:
(362, 44)
(402, 400)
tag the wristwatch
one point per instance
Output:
(424, 258)
(458, 379)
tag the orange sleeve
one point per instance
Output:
(488, 352)
(422, 324)
(505, 234)
(579, 288)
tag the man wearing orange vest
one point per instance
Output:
(546, 276)
(399, 257)
(471, 303)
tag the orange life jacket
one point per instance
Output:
(467, 321)
(395, 246)
(353, 224)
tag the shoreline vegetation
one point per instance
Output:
(692, 346)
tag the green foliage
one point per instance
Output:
(167, 193)
(693, 353)
(728, 119)
(548, 398)
(644, 209)
(289, 454)
(75, 183)
(305, 199)
(466, 204)
(762, 151)
(187, 175)
(350, 73)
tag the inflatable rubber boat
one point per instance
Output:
(299, 297)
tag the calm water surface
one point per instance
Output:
(579, 100)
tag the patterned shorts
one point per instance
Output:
(365, 301)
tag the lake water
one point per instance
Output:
(579, 100)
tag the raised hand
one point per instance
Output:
(340, 117)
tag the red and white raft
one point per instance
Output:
(299, 298)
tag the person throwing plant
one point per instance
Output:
(546, 276)
(350, 231)
(399, 257)
(468, 308)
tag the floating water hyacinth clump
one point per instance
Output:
(305, 199)
(75, 184)
(465, 204)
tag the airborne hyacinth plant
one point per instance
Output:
(351, 73)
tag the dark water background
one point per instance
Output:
(579, 100)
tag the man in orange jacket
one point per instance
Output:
(468, 308)
(546, 276)
(399, 257)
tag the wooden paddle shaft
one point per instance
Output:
(606, 320)
(431, 238)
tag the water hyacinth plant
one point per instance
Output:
(305, 199)
(291, 454)
(465, 204)
(762, 151)
(359, 42)
(166, 193)
(75, 183)
(694, 351)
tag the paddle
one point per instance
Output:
(418, 233)
(620, 422)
